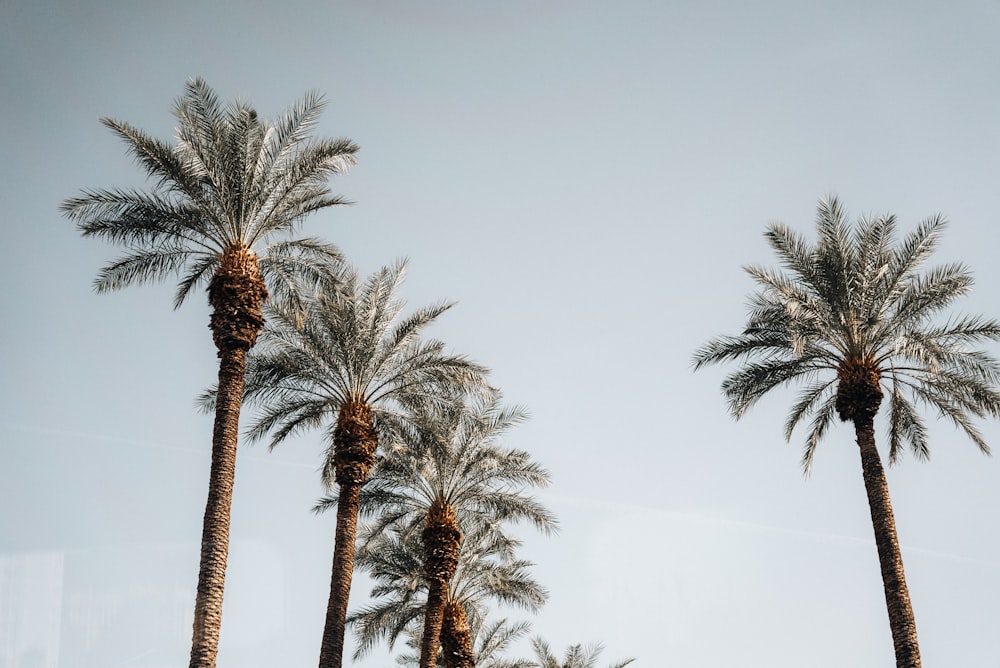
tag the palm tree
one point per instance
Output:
(577, 656)
(487, 570)
(347, 362)
(853, 319)
(448, 474)
(220, 196)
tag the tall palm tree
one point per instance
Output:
(577, 656)
(487, 570)
(854, 319)
(345, 362)
(220, 197)
(447, 475)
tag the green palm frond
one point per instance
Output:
(822, 417)
(140, 267)
(906, 426)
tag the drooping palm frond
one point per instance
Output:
(230, 181)
(859, 294)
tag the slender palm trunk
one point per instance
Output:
(433, 618)
(442, 541)
(897, 596)
(355, 441)
(215, 529)
(332, 650)
(236, 294)
(456, 637)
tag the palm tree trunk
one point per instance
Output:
(355, 441)
(236, 294)
(442, 541)
(215, 528)
(456, 637)
(332, 650)
(897, 596)
(433, 618)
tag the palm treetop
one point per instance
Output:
(451, 456)
(351, 346)
(229, 184)
(855, 315)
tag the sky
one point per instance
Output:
(587, 180)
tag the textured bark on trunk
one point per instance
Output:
(456, 637)
(433, 618)
(859, 395)
(332, 650)
(236, 294)
(442, 541)
(355, 441)
(897, 596)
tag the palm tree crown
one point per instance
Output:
(853, 319)
(348, 344)
(344, 357)
(231, 183)
(450, 455)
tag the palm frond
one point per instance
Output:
(141, 267)
(577, 656)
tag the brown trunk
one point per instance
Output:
(354, 444)
(236, 294)
(442, 541)
(897, 596)
(331, 653)
(456, 637)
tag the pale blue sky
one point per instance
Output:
(586, 179)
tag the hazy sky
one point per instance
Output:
(586, 179)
